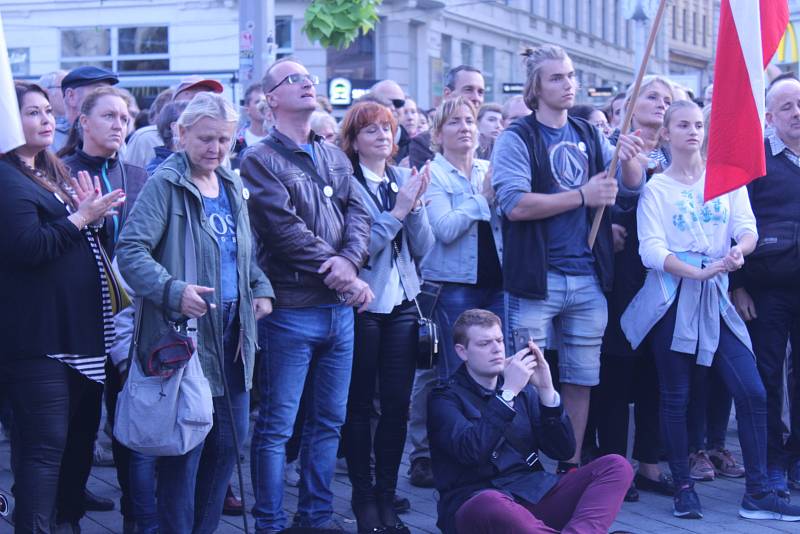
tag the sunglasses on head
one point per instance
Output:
(398, 102)
(296, 78)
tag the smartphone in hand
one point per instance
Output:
(519, 339)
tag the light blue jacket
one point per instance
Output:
(455, 205)
(701, 305)
(417, 241)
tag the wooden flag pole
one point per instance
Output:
(626, 123)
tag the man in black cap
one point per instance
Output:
(78, 83)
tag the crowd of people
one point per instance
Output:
(301, 256)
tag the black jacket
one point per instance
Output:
(470, 430)
(125, 176)
(525, 264)
(419, 150)
(49, 282)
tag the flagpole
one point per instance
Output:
(626, 123)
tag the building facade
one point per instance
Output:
(153, 43)
(692, 41)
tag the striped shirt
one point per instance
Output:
(94, 367)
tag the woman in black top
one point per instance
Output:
(94, 147)
(56, 317)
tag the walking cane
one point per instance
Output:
(626, 123)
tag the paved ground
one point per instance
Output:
(652, 515)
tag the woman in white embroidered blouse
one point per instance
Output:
(686, 242)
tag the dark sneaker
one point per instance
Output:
(794, 474)
(770, 506)
(777, 481)
(687, 504)
(421, 473)
(632, 495)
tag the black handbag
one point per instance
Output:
(428, 340)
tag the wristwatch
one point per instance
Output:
(507, 395)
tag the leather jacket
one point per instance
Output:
(296, 225)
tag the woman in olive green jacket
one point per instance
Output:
(192, 192)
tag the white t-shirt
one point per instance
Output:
(250, 138)
(672, 218)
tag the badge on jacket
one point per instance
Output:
(327, 191)
(245, 193)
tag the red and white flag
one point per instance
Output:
(749, 33)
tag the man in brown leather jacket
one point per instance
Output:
(313, 230)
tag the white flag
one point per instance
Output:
(11, 135)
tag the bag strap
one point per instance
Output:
(472, 398)
(399, 259)
(298, 161)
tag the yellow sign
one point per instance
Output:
(787, 48)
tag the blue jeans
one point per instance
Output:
(315, 341)
(455, 299)
(736, 367)
(709, 412)
(576, 308)
(191, 488)
(143, 492)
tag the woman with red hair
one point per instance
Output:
(386, 334)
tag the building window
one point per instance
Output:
(578, 15)
(488, 72)
(20, 60)
(628, 34)
(563, 11)
(447, 53)
(694, 28)
(283, 37)
(356, 62)
(549, 9)
(466, 53)
(617, 19)
(705, 31)
(125, 49)
(685, 24)
(674, 22)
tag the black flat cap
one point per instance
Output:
(87, 75)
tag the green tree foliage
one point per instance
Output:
(337, 23)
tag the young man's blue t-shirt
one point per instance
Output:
(568, 247)
(220, 218)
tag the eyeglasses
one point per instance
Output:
(296, 78)
(398, 103)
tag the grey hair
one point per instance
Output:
(209, 105)
(318, 118)
(533, 60)
(452, 74)
(47, 80)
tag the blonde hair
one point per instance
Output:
(446, 110)
(647, 81)
(207, 105)
(533, 61)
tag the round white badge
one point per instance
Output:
(582, 146)
(394, 187)
(245, 193)
(327, 191)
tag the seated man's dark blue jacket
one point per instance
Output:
(471, 430)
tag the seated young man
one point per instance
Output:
(486, 426)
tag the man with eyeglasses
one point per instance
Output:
(313, 228)
(391, 95)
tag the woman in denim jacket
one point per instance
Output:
(460, 202)
(386, 334)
